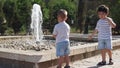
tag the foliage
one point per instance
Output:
(2, 19)
(55, 5)
(15, 15)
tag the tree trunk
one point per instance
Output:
(82, 7)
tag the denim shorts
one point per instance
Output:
(104, 44)
(63, 48)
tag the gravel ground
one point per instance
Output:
(92, 61)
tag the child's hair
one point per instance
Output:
(103, 8)
(62, 13)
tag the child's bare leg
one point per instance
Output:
(103, 54)
(109, 53)
(67, 60)
(60, 61)
(110, 56)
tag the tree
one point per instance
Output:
(2, 19)
(55, 5)
(17, 14)
(82, 7)
(9, 10)
(24, 17)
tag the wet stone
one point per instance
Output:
(30, 44)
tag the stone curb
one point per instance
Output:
(42, 56)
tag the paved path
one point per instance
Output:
(91, 62)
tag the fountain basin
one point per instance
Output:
(11, 58)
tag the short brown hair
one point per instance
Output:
(62, 13)
(103, 8)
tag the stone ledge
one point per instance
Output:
(48, 58)
(42, 56)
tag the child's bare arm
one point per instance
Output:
(112, 24)
(93, 33)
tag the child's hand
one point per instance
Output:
(108, 19)
(90, 37)
(112, 24)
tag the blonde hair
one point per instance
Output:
(62, 13)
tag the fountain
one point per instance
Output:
(35, 42)
(36, 23)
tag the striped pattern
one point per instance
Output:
(104, 29)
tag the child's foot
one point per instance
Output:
(110, 62)
(102, 63)
(67, 67)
